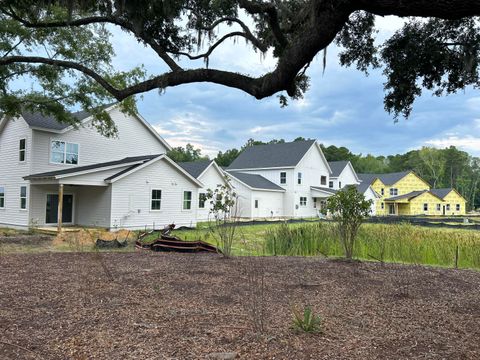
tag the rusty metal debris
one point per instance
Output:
(166, 242)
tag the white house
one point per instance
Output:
(343, 174)
(53, 174)
(291, 179)
(211, 176)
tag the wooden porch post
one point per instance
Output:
(60, 207)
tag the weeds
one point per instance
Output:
(306, 321)
(401, 243)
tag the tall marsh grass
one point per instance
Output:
(401, 243)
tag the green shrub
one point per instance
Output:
(306, 321)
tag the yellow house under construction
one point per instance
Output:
(406, 193)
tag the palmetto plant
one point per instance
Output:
(306, 321)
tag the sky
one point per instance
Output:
(343, 106)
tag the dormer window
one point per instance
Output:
(22, 150)
(62, 152)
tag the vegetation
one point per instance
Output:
(400, 243)
(348, 208)
(224, 209)
(306, 321)
(186, 154)
(64, 47)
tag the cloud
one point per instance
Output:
(468, 143)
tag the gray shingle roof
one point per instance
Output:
(255, 181)
(127, 160)
(362, 187)
(441, 193)
(195, 168)
(387, 179)
(408, 196)
(49, 122)
(329, 190)
(337, 167)
(272, 155)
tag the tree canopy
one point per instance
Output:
(63, 47)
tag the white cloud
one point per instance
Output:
(468, 143)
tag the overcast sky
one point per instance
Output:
(343, 107)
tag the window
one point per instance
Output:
(439, 207)
(283, 178)
(156, 200)
(457, 207)
(323, 180)
(22, 150)
(62, 152)
(2, 197)
(330, 184)
(202, 198)
(448, 207)
(303, 201)
(339, 184)
(425, 207)
(383, 205)
(314, 203)
(23, 197)
(393, 192)
(187, 200)
(299, 179)
(256, 204)
(382, 191)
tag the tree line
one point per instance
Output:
(441, 168)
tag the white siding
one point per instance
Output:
(370, 195)
(131, 198)
(312, 167)
(93, 206)
(210, 179)
(12, 171)
(270, 204)
(346, 177)
(134, 139)
(244, 199)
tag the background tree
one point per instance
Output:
(348, 208)
(185, 154)
(64, 48)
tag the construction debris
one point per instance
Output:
(166, 242)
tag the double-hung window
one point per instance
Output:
(439, 207)
(283, 177)
(256, 204)
(23, 197)
(22, 150)
(393, 191)
(62, 152)
(187, 200)
(156, 202)
(448, 207)
(202, 199)
(2, 197)
(457, 207)
(425, 207)
(330, 184)
(303, 201)
(299, 179)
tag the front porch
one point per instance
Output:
(68, 207)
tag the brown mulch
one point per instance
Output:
(187, 306)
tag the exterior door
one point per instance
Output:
(391, 209)
(52, 209)
(443, 209)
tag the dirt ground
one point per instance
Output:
(146, 305)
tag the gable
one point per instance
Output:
(313, 157)
(454, 197)
(412, 180)
(213, 176)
